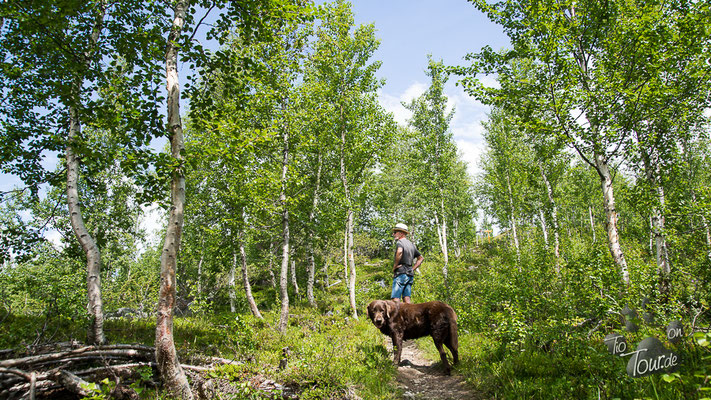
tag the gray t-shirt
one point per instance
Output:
(409, 254)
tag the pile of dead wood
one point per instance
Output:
(65, 370)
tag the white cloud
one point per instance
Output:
(466, 126)
(54, 237)
(471, 153)
(393, 103)
(489, 81)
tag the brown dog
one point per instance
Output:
(403, 321)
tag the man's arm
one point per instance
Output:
(398, 256)
(418, 262)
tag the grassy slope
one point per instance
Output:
(520, 335)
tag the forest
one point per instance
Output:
(578, 260)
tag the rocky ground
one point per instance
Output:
(423, 379)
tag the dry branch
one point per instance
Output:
(70, 381)
(52, 371)
(128, 351)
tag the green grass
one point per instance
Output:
(329, 356)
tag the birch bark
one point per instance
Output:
(613, 238)
(95, 334)
(284, 273)
(171, 372)
(245, 278)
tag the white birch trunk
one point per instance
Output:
(171, 372)
(455, 242)
(283, 278)
(705, 224)
(513, 222)
(592, 224)
(199, 282)
(662, 256)
(554, 218)
(544, 228)
(293, 277)
(348, 255)
(272, 278)
(310, 243)
(351, 261)
(613, 238)
(95, 308)
(345, 252)
(245, 278)
(445, 249)
(231, 283)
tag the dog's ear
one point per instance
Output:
(370, 310)
(389, 306)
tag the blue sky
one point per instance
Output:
(409, 30)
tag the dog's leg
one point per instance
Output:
(443, 356)
(397, 348)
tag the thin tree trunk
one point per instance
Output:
(245, 278)
(513, 222)
(171, 372)
(442, 238)
(662, 256)
(95, 333)
(325, 275)
(231, 283)
(293, 277)
(544, 228)
(439, 230)
(455, 235)
(554, 218)
(349, 258)
(199, 282)
(444, 244)
(651, 234)
(310, 242)
(272, 278)
(345, 253)
(592, 224)
(613, 238)
(705, 224)
(283, 277)
(351, 261)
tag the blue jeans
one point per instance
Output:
(402, 286)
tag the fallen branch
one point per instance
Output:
(71, 382)
(595, 328)
(33, 385)
(58, 371)
(15, 371)
(118, 350)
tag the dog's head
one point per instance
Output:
(380, 311)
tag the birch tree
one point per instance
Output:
(438, 152)
(169, 367)
(342, 64)
(587, 74)
(65, 69)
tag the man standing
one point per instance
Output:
(403, 268)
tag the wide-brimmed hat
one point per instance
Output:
(401, 228)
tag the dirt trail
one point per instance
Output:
(422, 379)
